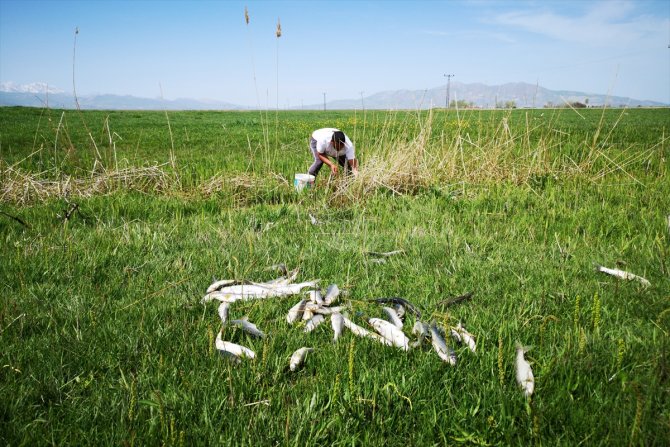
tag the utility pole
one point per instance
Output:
(324, 101)
(362, 103)
(448, 85)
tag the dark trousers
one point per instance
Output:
(316, 166)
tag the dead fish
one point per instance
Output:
(227, 347)
(259, 291)
(524, 374)
(216, 285)
(443, 351)
(248, 327)
(624, 275)
(399, 310)
(390, 332)
(329, 310)
(223, 312)
(353, 327)
(386, 254)
(315, 297)
(295, 312)
(362, 332)
(331, 294)
(337, 322)
(393, 317)
(402, 301)
(314, 220)
(461, 335)
(314, 322)
(298, 357)
(307, 314)
(421, 331)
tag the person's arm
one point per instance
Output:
(331, 165)
(354, 165)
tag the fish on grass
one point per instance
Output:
(362, 332)
(461, 335)
(440, 346)
(253, 291)
(295, 313)
(390, 332)
(223, 312)
(313, 322)
(298, 357)
(396, 300)
(337, 322)
(524, 373)
(421, 331)
(332, 293)
(248, 327)
(228, 348)
(392, 316)
(624, 275)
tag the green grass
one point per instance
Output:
(105, 340)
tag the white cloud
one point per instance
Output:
(604, 24)
(33, 87)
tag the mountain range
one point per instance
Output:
(519, 94)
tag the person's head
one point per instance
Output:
(338, 140)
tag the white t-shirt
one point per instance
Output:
(324, 143)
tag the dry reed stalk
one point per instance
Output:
(22, 188)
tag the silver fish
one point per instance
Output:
(443, 351)
(361, 332)
(393, 317)
(314, 220)
(328, 310)
(314, 322)
(331, 294)
(400, 310)
(421, 331)
(307, 314)
(227, 347)
(248, 327)
(216, 285)
(624, 275)
(461, 335)
(524, 373)
(259, 291)
(337, 322)
(298, 357)
(223, 312)
(296, 312)
(390, 332)
(315, 297)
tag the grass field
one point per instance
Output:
(113, 224)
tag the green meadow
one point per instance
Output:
(113, 224)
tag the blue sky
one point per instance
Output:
(205, 50)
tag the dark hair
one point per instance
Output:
(338, 136)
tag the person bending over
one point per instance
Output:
(333, 143)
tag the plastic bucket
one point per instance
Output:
(302, 181)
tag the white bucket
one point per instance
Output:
(302, 181)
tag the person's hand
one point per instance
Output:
(333, 169)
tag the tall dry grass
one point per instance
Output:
(405, 162)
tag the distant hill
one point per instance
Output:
(109, 102)
(484, 96)
(479, 95)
